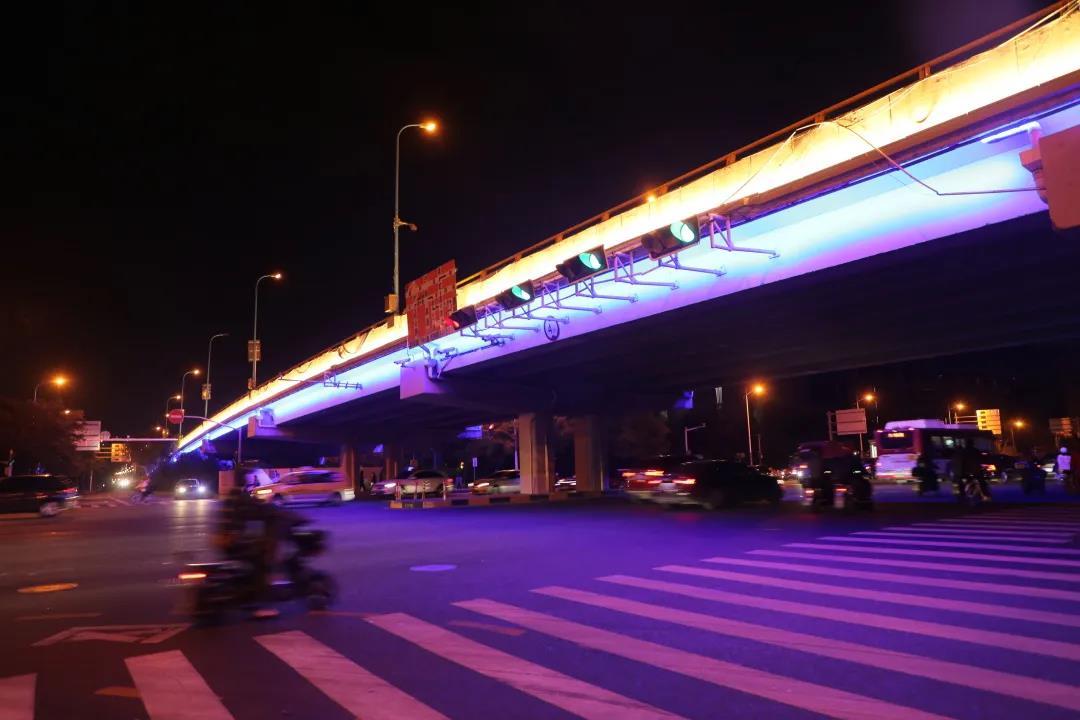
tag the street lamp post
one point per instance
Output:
(59, 381)
(254, 348)
(428, 127)
(206, 386)
(756, 389)
(1012, 430)
(955, 409)
(183, 380)
(167, 401)
(686, 436)
(866, 398)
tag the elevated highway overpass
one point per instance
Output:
(891, 226)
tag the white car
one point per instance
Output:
(504, 481)
(422, 482)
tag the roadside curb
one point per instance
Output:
(492, 500)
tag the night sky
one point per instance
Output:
(158, 158)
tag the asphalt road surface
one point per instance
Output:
(596, 610)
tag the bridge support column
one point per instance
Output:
(537, 468)
(590, 452)
(391, 460)
(349, 466)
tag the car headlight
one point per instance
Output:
(181, 490)
(201, 490)
(483, 484)
(262, 492)
(390, 485)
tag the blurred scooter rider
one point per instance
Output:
(246, 534)
(926, 474)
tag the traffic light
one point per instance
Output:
(515, 295)
(672, 238)
(583, 264)
(462, 317)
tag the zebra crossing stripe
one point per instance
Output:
(362, 693)
(981, 530)
(998, 588)
(1016, 525)
(942, 543)
(918, 564)
(17, 697)
(977, 678)
(935, 603)
(171, 689)
(562, 691)
(990, 638)
(915, 535)
(983, 557)
(821, 699)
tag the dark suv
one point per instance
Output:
(46, 495)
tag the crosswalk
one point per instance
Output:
(103, 501)
(969, 617)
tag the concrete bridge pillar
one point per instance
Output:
(391, 460)
(590, 452)
(349, 466)
(537, 468)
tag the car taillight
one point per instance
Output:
(685, 481)
(71, 491)
(653, 473)
(192, 576)
(628, 473)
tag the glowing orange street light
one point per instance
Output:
(759, 390)
(57, 380)
(196, 372)
(1015, 425)
(254, 347)
(428, 126)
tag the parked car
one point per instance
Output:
(715, 484)
(47, 495)
(423, 482)
(307, 486)
(503, 481)
(190, 489)
(566, 484)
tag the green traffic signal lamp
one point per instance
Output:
(672, 238)
(583, 264)
(516, 295)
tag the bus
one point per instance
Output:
(901, 443)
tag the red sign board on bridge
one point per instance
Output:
(429, 300)
(176, 416)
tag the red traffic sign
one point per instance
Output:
(176, 416)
